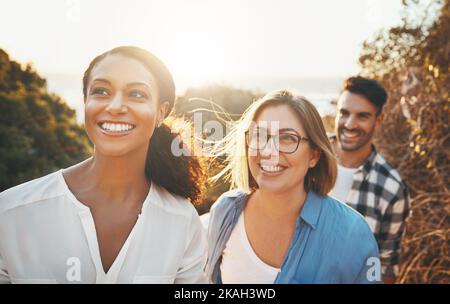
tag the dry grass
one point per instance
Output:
(415, 138)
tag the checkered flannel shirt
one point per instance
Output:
(380, 195)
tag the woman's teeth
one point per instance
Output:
(116, 127)
(272, 168)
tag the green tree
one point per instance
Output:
(38, 131)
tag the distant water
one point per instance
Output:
(320, 91)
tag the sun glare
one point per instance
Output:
(198, 47)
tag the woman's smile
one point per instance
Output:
(271, 170)
(116, 128)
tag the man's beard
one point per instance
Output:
(363, 139)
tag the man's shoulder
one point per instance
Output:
(391, 186)
(382, 166)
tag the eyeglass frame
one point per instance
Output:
(269, 136)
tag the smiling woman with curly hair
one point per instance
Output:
(124, 215)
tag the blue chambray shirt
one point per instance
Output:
(332, 243)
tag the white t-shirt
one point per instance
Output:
(344, 183)
(48, 236)
(240, 264)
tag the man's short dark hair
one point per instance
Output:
(371, 89)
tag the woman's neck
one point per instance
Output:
(281, 204)
(119, 179)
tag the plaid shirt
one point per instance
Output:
(380, 195)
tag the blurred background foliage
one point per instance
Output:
(215, 103)
(412, 62)
(38, 131)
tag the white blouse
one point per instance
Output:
(240, 264)
(48, 236)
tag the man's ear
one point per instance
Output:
(379, 119)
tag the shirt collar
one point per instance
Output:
(367, 166)
(311, 209)
(309, 214)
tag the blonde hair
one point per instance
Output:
(319, 179)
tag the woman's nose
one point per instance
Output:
(270, 150)
(116, 106)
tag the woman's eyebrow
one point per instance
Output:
(101, 80)
(288, 129)
(128, 85)
(283, 130)
(138, 83)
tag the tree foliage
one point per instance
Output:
(38, 131)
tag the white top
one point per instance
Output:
(344, 182)
(204, 218)
(240, 264)
(48, 236)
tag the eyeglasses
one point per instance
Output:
(284, 142)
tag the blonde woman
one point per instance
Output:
(278, 225)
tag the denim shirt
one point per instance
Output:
(331, 244)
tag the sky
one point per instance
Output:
(201, 41)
